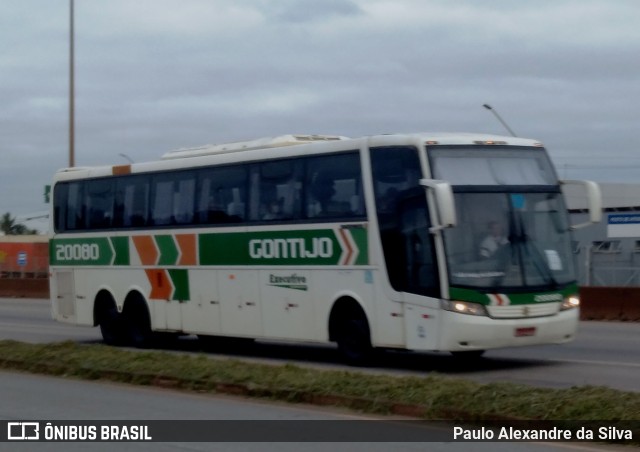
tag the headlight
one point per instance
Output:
(570, 302)
(464, 307)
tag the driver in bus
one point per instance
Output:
(495, 240)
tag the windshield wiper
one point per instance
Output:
(540, 263)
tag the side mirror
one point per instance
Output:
(594, 201)
(445, 203)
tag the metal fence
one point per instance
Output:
(616, 268)
(614, 276)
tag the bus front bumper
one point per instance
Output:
(461, 332)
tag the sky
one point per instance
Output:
(157, 75)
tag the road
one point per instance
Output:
(43, 398)
(604, 354)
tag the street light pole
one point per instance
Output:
(495, 113)
(125, 156)
(72, 159)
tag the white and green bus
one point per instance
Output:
(374, 242)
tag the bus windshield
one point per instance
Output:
(492, 165)
(512, 231)
(510, 242)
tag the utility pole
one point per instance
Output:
(72, 158)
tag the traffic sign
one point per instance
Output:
(22, 259)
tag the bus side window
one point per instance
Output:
(221, 195)
(99, 201)
(236, 208)
(75, 215)
(132, 201)
(276, 187)
(60, 193)
(118, 209)
(173, 198)
(322, 190)
(162, 204)
(334, 186)
(184, 199)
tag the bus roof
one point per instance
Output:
(292, 140)
(283, 146)
(453, 138)
(260, 143)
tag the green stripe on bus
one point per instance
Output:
(300, 247)
(475, 296)
(360, 238)
(168, 250)
(180, 280)
(121, 248)
(304, 247)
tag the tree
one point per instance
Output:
(9, 226)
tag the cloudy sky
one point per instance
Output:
(156, 75)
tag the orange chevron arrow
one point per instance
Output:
(146, 248)
(187, 245)
(161, 287)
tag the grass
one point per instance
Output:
(429, 397)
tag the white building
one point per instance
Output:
(608, 253)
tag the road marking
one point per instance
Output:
(592, 362)
(27, 328)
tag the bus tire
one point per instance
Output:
(354, 340)
(110, 320)
(468, 355)
(137, 322)
(225, 343)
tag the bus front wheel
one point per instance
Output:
(354, 341)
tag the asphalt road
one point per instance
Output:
(43, 398)
(604, 354)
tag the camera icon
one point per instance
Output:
(23, 431)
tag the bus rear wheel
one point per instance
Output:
(110, 321)
(138, 323)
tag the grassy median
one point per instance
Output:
(429, 397)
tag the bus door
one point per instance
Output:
(407, 244)
(416, 272)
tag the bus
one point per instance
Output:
(377, 242)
